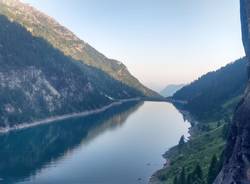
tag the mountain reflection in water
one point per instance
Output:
(24, 153)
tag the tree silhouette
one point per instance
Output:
(213, 170)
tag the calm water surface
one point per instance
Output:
(121, 146)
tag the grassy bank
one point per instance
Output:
(198, 150)
(207, 140)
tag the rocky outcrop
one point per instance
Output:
(236, 169)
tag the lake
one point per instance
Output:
(123, 145)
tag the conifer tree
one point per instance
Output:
(189, 179)
(183, 176)
(181, 143)
(175, 180)
(198, 175)
(213, 170)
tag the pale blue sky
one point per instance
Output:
(161, 41)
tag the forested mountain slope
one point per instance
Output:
(41, 25)
(206, 96)
(38, 81)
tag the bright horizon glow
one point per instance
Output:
(161, 42)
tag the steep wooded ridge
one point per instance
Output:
(41, 25)
(236, 168)
(37, 81)
(205, 98)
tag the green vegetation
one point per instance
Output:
(196, 176)
(213, 170)
(212, 95)
(205, 149)
(37, 81)
(45, 27)
(181, 143)
(199, 150)
(211, 100)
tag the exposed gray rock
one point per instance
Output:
(236, 169)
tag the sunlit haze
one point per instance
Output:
(161, 41)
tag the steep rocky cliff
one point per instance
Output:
(236, 169)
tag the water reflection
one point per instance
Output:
(24, 153)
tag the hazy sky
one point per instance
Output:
(161, 41)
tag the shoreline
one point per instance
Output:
(187, 117)
(66, 116)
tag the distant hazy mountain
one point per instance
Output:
(170, 90)
(41, 25)
(209, 94)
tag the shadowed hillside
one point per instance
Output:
(207, 96)
(37, 81)
(41, 25)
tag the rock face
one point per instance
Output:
(236, 168)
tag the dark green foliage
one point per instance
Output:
(211, 100)
(221, 161)
(203, 127)
(181, 142)
(225, 130)
(227, 119)
(197, 175)
(198, 172)
(205, 97)
(189, 179)
(219, 123)
(182, 176)
(213, 170)
(162, 178)
(197, 149)
(175, 180)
